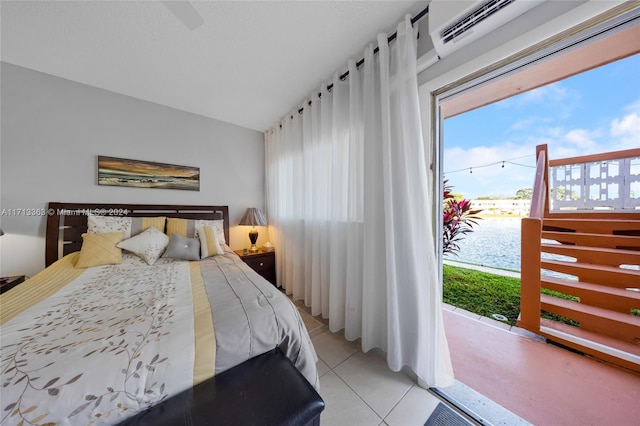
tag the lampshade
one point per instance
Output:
(253, 217)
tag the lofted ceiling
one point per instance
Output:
(249, 63)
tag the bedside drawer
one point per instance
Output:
(261, 263)
(264, 263)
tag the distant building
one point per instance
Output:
(502, 207)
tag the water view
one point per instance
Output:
(495, 243)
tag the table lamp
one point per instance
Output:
(253, 217)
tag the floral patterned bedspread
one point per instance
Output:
(112, 342)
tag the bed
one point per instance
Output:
(98, 344)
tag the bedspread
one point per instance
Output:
(251, 317)
(114, 341)
(97, 346)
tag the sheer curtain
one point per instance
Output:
(350, 212)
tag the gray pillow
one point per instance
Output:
(182, 248)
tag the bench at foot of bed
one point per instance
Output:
(265, 390)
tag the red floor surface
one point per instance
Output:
(542, 383)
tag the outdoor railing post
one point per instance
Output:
(530, 274)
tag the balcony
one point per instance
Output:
(540, 382)
(582, 241)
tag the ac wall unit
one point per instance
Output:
(456, 23)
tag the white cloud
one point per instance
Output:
(557, 100)
(629, 125)
(478, 171)
(583, 139)
(633, 107)
(625, 131)
(529, 123)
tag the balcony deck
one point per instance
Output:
(542, 383)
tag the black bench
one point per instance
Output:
(265, 390)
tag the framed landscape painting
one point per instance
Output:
(114, 171)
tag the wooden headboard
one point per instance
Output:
(66, 222)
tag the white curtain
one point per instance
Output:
(350, 213)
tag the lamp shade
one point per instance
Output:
(253, 217)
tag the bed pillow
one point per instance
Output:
(187, 227)
(131, 226)
(209, 244)
(148, 245)
(182, 248)
(100, 249)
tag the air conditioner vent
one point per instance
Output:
(473, 18)
(454, 24)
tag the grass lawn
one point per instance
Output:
(486, 294)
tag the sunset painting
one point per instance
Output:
(143, 174)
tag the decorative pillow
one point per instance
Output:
(131, 226)
(100, 249)
(187, 227)
(149, 245)
(182, 248)
(209, 244)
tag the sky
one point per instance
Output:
(589, 113)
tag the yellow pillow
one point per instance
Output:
(209, 245)
(100, 249)
(179, 226)
(155, 222)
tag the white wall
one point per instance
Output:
(53, 130)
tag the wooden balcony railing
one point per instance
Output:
(584, 265)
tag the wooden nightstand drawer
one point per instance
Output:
(263, 262)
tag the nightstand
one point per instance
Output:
(261, 261)
(11, 282)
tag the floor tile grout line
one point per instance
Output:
(358, 395)
(399, 401)
(337, 365)
(354, 391)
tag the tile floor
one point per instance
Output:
(359, 388)
(542, 383)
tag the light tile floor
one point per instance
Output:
(359, 388)
(542, 383)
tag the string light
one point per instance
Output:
(502, 162)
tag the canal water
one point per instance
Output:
(494, 243)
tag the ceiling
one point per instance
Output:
(250, 63)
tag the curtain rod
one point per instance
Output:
(392, 37)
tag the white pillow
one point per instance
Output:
(209, 244)
(149, 244)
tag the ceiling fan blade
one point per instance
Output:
(185, 12)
